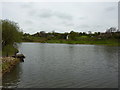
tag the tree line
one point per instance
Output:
(111, 33)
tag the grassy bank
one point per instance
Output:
(99, 42)
(8, 63)
(9, 50)
(110, 42)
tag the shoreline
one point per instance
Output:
(107, 44)
(8, 63)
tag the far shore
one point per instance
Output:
(106, 44)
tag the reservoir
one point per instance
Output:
(65, 66)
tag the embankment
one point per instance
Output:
(8, 63)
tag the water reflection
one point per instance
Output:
(13, 81)
(110, 55)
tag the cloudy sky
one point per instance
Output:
(61, 17)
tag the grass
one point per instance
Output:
(8, 63)
(96, 42)
(9, 49)
(79, 40)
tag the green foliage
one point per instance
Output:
(8, 50)
(10, 35)
(110, 38)
(10, 32)
(73, 35)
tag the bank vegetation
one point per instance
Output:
(111, 36)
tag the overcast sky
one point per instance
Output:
(62, 17)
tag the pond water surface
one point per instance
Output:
(65, 66)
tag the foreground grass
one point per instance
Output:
(8, 63)
(8, 50)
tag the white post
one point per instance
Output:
(67, 37)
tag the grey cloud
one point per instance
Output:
(48, 17)
(82, 18)
(67, 23)
(83, 26)
(48, 13)
(41, 13)
(98, 26)
(110, 9)
(28, 22)
(27, 5)
(45, 13)
(63, 16)
(32, 12)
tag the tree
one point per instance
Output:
(80, 33)
(97, 33)
(84, 33)
(112, 29)
(73, 35)
(89, 32)
(42, 34)
(10, 33)
(0, 32)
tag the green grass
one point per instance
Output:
(33, 39)
(96, 42)
(79, 40)
(9, 49)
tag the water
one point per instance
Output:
(65, 66)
